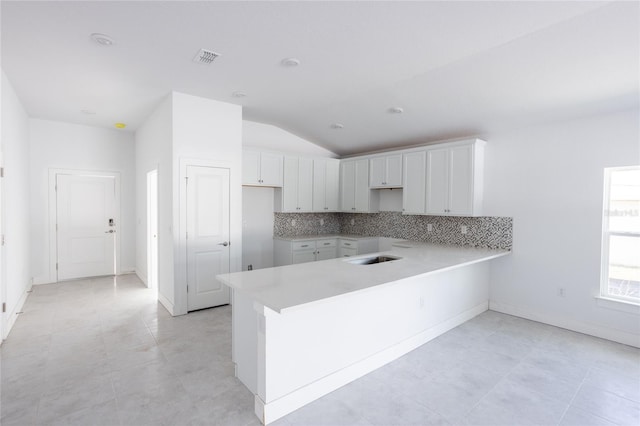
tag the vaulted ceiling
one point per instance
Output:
(455, 68)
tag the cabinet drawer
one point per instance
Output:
(346, 252)
(303, 245)
(349, 244)
(325, 243)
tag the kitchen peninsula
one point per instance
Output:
(302, 331)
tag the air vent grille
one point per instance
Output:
(205, 56)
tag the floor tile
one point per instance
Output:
(607, 405)
(104, 351)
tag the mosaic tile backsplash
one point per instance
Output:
(486, 231)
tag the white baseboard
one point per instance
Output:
(13, 314)
(167, 304)
(282, 406)
(47, 280)
(143, 277)
(569, 324)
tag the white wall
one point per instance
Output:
(205, 132)
(58, 145)
(257, 227)
(550, 180)
(268, 137)
(257, 203)
(14, 146)
(153, 150)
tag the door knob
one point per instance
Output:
(224, 244)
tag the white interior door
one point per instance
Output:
(207, 236)
(86, 210)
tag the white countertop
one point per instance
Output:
(285, 288)
(322, 237)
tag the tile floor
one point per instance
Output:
(103, 352)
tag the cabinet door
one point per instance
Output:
(377, 172)
(290, 185)
(437, 181)
(332, 185)
(413, 192)
(305, 184)
(348, 186)
(362, 185)
(271, 169)
(302, 256)
(326, 253)
(461, 180)
(393, 165)
(319, 185)
(250, 167)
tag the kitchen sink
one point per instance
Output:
(372, 260)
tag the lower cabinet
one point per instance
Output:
(292, 252)
(352, 246)
(287, 252)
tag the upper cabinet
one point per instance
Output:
(414, 182)
(261, 168)
(355, 195)
(296, 193)
(454, 179)
(385, 171)
(326, 184)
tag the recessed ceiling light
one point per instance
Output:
(396, 110)
(337, 126)
(239, 94)
(88, 112)
(205, 56)
(102, 39)
(120, 125)
(290, 62)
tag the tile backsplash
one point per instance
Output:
(485, 231)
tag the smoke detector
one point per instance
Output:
(205, 56)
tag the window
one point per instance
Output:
(621, 235)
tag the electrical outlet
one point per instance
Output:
(463, 229)
(421, 302)
(429, 227)
(293, 222)
(561, 292)
(250, 268)
(321, 222)
(353, 221)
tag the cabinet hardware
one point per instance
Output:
(305, 245)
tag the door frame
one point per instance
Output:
(235, 252)
(53, 210)
(150, 242)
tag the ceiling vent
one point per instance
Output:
(205, 56)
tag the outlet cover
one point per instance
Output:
(429, 227)
(293, 222)
(463, 229)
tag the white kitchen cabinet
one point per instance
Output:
(326, 185)
(414, 182)
(385, 171)
(261, 168)
(287, 252)
(354, 246)
(355, 195)
(297, 187)
(455, 179)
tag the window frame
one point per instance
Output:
(606, 235)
